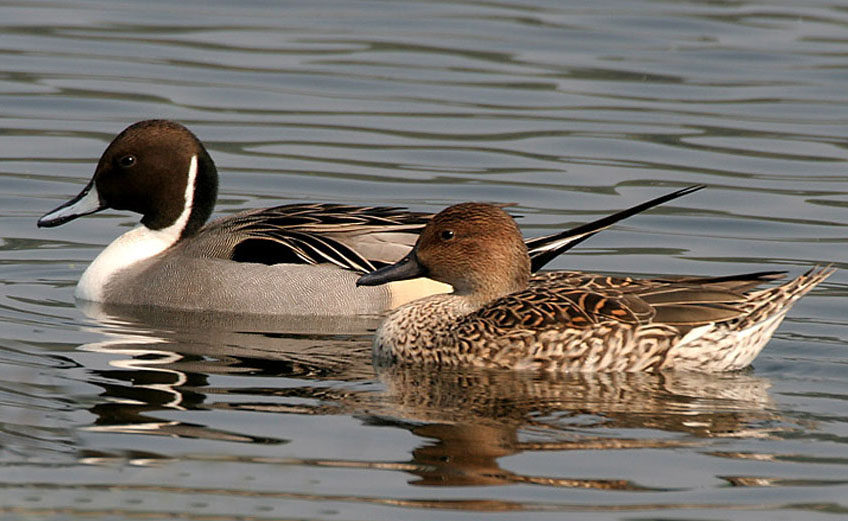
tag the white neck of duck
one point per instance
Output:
(136, 245)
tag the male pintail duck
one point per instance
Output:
(299, 259)
(501, 316)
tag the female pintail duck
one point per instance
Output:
(300, 259)
(501, 316)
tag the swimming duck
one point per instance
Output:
(298, 259)
(500, 315)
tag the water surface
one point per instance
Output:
(569, 111)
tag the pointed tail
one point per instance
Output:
(543, 249)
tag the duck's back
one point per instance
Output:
(352, 237)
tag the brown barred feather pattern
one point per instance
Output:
(573, 321)
(553, 326)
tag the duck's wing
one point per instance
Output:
(543, 249)
(581, 300)
(358, 238)
(692, 302)
(541, 307)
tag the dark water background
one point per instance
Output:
(570, 110)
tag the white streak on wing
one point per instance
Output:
(558, 243)
(136, 245)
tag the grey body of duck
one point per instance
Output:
(502, 316)
(299, 259)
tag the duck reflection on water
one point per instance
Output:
(468, 420)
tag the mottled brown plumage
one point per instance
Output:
(569, 321)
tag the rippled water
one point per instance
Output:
(569, 110)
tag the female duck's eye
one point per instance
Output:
(447, 235)
(127, 161)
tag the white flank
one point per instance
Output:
(694, 334)
(759, 327)
(136, 245)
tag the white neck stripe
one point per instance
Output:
(136, 245)
(174, 231)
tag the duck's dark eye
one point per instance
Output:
(447, 235)
(127, 161)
